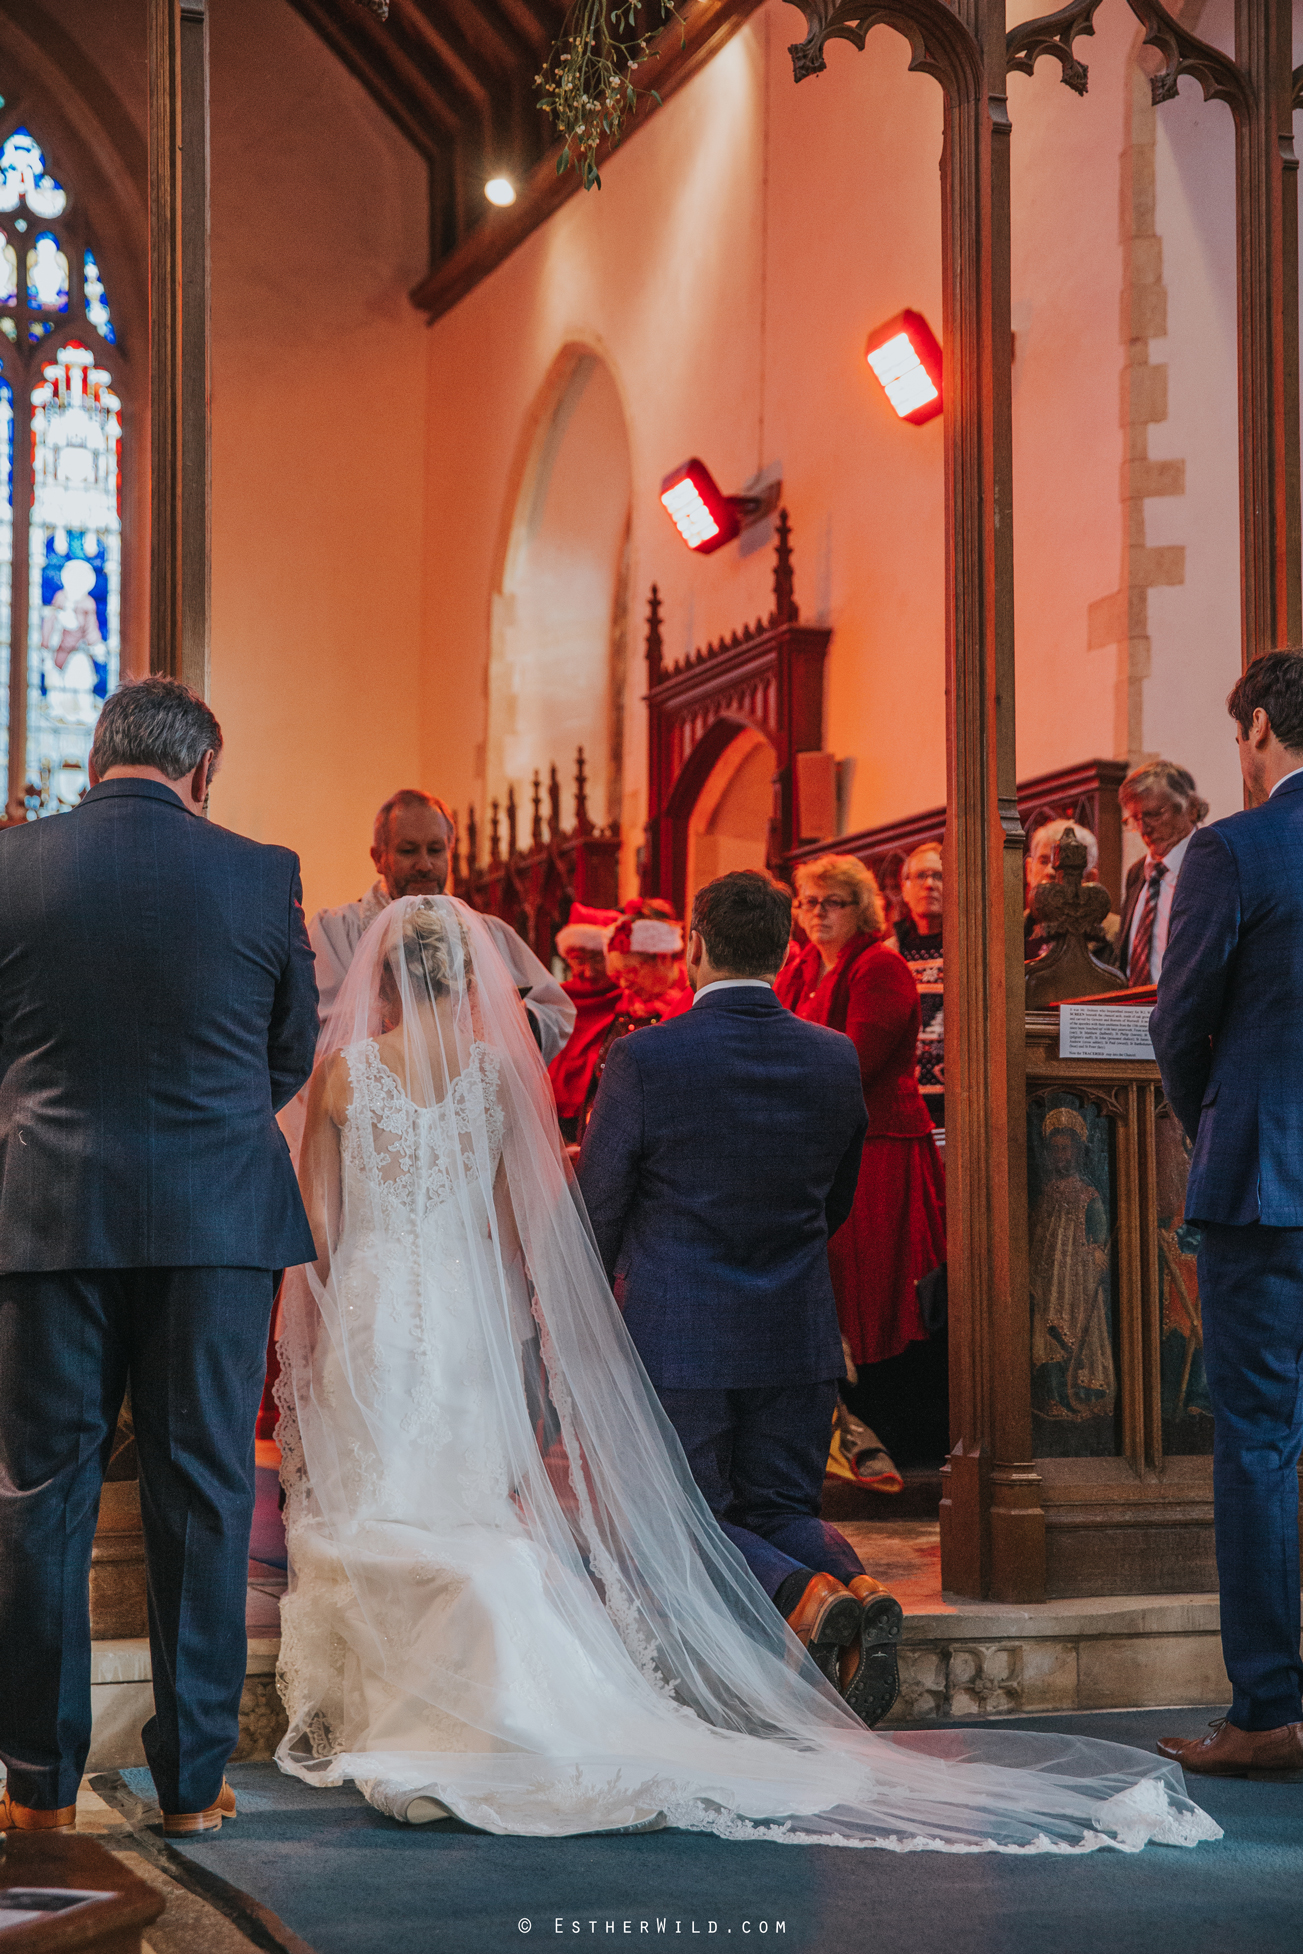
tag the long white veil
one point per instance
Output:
(507, 1593)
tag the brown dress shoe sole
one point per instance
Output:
(24, 1818)
(840, 1625)
(876, 1683)
(179, 1825)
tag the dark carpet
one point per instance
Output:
(350, 1882)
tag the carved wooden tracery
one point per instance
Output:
(993, 1520)
(768, 676)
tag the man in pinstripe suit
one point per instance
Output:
(157, 1005)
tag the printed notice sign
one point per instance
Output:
(1104, 1031)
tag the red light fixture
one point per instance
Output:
(701, 514)
(906, 362)
(704, 516)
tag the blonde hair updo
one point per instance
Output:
(842, 875)
(435, 957)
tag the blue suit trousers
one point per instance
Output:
(1251, 1292)
(758, 1456)
(192, 1344)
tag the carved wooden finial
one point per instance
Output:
(655, 646)
(583, 826)
(553, 804)
(1071, 914)
(536, 831)
(472, 842)
(495, 836)
(785, 608)
(512, 849)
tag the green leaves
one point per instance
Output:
(587, 87)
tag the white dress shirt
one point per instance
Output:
(735, 984)
(336, 933)
(1293, 774)
(1172, 861)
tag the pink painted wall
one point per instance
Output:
(743, 245)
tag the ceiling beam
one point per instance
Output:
(406, 95)
(682, 52)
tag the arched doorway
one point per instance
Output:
(556, 672)
(729, 825)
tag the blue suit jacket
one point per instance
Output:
(1228, 1026)
(157, 1005)
(723, 1150)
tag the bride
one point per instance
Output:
(508, 1600)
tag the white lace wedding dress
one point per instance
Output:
(507, 1600)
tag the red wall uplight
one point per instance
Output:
(906, 362)
(704, 518)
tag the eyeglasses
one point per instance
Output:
(823, 905)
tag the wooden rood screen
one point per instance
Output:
(768, 676)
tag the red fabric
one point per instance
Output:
(897, 1228)
(571, 1071)
(673, 1003)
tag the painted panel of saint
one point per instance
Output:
(1072, 1231)
(1187, 1413)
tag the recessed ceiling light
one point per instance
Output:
(500, 190)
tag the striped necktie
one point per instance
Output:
(1142, 942)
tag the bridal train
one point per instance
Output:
(508, 1600)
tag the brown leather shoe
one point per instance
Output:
(1234, 1753)
(25, 1818)
(868, 1677)
(826, 1618)
(175, 1824)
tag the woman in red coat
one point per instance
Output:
(850, 978)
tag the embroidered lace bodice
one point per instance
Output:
(398, 1157)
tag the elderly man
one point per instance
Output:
(411, 849)
(918, 938)
(1162, 804)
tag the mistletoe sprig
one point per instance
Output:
(587, 81)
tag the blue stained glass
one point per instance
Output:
(37, 330)
(76, 570)
(47, 274)
(97, 305)
(6, 556)
(23, 176)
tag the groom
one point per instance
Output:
(723, 1150)
(157, 1006)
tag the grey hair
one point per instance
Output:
(1056, 829)
(154, 722)
(410, 797)
(1176, 782)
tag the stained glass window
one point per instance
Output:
(60, 482)
(24, 179)
(47, 275)
(6, 552)
(97, 305)
(74, 549)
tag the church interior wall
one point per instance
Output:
(319, 229)
(743, 245)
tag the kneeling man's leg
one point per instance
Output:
(1251, 1291)
(780, 1451)
(199, 1346)
(704, 1422)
